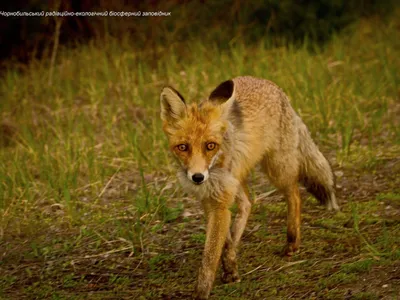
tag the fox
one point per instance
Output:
(244, 122)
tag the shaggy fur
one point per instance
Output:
(244, 122)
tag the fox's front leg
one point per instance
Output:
(229, 260)
(218, 222)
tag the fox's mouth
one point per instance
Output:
(198, 183)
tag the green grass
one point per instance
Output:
(89, 201)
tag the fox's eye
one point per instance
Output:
(210, 146)
(182, 147)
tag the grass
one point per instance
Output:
(89, 205)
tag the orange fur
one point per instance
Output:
(245, 121)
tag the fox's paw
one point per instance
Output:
(229, 277)
(332, 206)
(203, 288)
(290, 249)
(197, 295)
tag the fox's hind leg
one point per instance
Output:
(283, 172)
(229, 261)
(292, 196)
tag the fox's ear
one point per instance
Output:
(224, 95)
(173, 105)
(223, 92)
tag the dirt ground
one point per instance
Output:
(353, 254)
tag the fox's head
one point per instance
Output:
(198, 133)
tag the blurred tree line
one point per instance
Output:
(220, 21)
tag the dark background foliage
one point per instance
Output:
(223, 21)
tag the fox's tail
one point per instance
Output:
(316, 174)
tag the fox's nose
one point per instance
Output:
(198, 177)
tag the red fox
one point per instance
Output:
(245, 121)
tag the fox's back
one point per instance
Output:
(265, 111)
(261, 100)
(264, 122)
